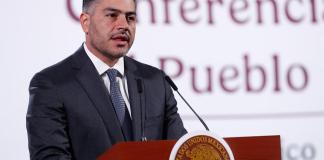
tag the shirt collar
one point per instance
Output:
(103, 67)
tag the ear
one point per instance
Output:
(85, 22)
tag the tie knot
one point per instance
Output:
(112, 74)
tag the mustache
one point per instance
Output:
(122, 34)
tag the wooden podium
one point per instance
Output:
(243, 148)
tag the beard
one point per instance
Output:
(112, 51)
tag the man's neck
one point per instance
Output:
(110, 61)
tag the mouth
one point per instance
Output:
(121, 39)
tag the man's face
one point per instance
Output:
(110, 27)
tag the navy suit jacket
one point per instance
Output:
(70, 114)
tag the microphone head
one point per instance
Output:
(169, 80)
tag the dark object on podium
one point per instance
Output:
(243, 148)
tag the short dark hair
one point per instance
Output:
(87, 3)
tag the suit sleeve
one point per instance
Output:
(173, 123)
(46, 122)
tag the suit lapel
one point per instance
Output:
(96, 90)
(136, 99)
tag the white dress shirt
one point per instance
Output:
(102, 68)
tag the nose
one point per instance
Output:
(122, 22)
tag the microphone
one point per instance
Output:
(175, 88)
(140, 91)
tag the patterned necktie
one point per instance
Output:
(116, 97)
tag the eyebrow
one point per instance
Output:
(119, 11)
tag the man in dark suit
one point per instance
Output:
(98, 97)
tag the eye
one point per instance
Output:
(113, 15)
(131, 18)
